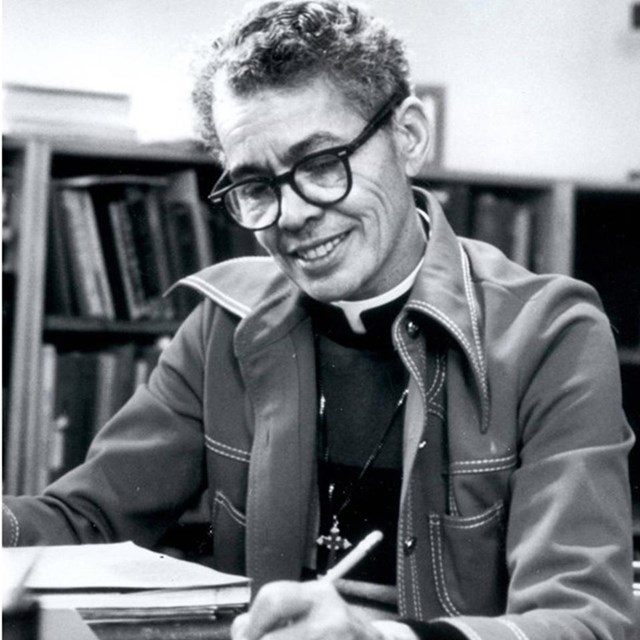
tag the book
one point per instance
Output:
(114, 382)
(75, 388)
(123, 579)
(60, 294)
(29, 109)
(505, 223)
(88, 269)
(44, 443)
(143, 211)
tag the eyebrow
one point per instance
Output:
(315, 142)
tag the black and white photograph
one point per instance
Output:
(320, 320)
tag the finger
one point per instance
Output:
(275, 606)
(238, 626)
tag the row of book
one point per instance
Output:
(80, 392)
(117, 243)
(495, 217)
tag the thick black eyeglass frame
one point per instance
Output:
(342, 152)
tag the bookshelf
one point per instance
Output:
(53, 181)
(577, 228)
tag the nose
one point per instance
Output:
(295, 211)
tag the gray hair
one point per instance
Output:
(283, 43)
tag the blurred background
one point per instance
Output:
(539, 88)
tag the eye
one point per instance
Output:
(324, 170)
(254, 191)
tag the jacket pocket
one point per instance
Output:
(229, 527)
(468, 560)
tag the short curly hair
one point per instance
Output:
(283, 43)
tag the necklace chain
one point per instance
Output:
(334, 541)
(372, 456)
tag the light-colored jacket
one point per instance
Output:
(515, 517)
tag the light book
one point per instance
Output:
(120, 576)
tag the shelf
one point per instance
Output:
(64, 324)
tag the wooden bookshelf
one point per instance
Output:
(579, 228)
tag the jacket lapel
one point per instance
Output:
(275, 350)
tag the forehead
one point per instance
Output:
(272, 121)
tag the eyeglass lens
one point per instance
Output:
(321, 179)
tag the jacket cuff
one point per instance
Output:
(10, 527)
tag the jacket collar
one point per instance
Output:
(270, 306)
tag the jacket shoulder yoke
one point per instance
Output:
(239, 284)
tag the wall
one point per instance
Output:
(545, 88)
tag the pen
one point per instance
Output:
(353, 557)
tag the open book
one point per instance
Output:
(122, 576)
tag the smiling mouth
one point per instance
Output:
(320, 251)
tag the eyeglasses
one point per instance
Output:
(320, 178)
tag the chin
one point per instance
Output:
(330, 291)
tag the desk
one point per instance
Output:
(372, 602)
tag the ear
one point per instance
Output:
(412, 134)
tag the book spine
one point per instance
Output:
(82, 265)
(100, 269)
(128, 261)
(46, 422)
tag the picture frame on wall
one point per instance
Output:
(433, 98)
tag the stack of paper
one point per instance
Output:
(111, 579)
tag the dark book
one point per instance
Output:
(150, 248)
(88, 270)
(127, 273)
(146, 360)
(504, 223)
(75, 388)
(60, 294)
(114, 382)
(181, 235)
(183, 189)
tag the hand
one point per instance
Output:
(310, 610)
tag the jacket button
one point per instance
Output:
(413, 330)
(409, 545)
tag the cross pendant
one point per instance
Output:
(334, 542)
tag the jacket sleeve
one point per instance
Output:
(143, 469)
(569, 535)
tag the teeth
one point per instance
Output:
(321, 250)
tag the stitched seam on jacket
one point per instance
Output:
(455, 329)
(466, 273)
(511, 458)
(515, 629)
(438, 379)
(436, 411)
(216, 294)
(502, 467)
(15, 526)
(409, 361)
(216, 447)
(400, 560)
(438, 568)
(417, 605)
(221, 445)
(225, 503)
(453, 507)
(474, 525)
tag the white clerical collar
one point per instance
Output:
(352, 309)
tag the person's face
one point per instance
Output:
(355, 249)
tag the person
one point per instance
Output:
(374, 371)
